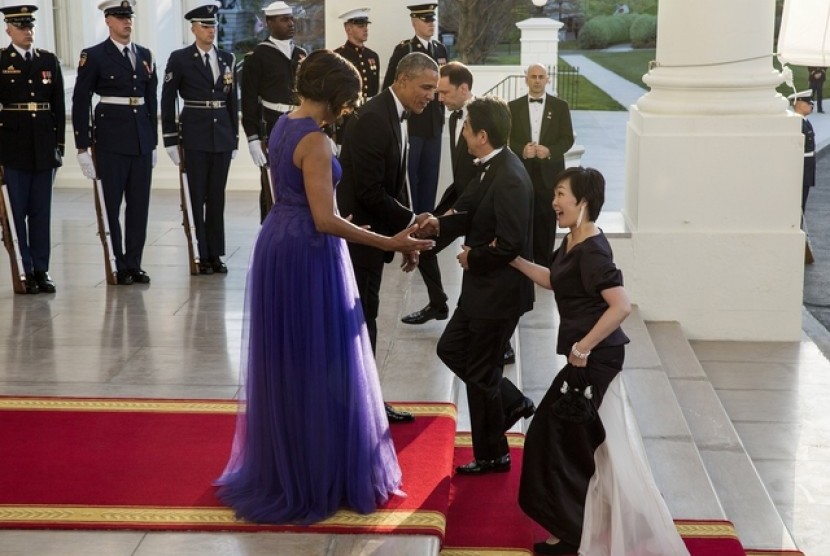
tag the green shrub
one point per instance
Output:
(644, 31)
(605, 30)
(592, 35)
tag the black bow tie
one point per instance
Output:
(481, 168)
(456, 115)
(539, 100)
(405, 115)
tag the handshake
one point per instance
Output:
(428, 226)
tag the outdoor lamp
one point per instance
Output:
(804, 39)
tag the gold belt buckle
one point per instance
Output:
(214, 104)
(134, 101)
(31, 106)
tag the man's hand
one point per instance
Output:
(542, 151)
(529, 151)
(431, 227)
(409, 261)
(173, 153)
(462, 257)
(257, 154)
(87, 166)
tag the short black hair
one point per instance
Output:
(413, 64)
(326, 76)
(491, 114)
(588, 184)
(457, 73)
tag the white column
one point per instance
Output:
(540, 43)
(713, 178)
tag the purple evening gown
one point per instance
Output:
(313, 436)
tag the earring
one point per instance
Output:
(581, 214)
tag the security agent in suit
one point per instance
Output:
(803, 106)
(424, 128)
(541, 135)
(373, 187)
(203, 76)
(454, 91)
(267, 83)
(356, 24)
(125, 133)
(495, 216)
(32, 123)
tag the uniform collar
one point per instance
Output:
(424, 42)
(23, 52)
(353, 46)
(120, 47)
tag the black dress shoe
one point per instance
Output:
(509, 355)
(31, 284)
(205, 268)
(559, 548)
(219, 266)
(395, 417)
(140, 277)
(426, 314)
(523, 410)
(124, 278)
(44, 282)
(484, 466)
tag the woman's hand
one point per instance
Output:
(405, 243)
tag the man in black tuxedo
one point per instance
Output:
(373, 189)
(495, 216)
(454, 90)
(541, 134)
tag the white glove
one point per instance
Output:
(155, 158)
(173, 153)
(259, 158)
(233, 153)
(87, 166)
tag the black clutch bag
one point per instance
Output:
(575, 405)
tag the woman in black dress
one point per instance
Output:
(568, 483)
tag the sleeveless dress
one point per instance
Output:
(312, 434)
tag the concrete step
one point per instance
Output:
(739, 488)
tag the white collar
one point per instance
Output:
(487, 158)
(120, 47)
(23, 52)
(398, 105)
(203, 52)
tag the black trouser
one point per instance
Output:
(30, 195)
(368, 275)
(431, 274)
(207, 176)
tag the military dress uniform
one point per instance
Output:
(124, 135)
(32, 124)
(208, 130)
(809, 176)
(424, 128)
(367, 63)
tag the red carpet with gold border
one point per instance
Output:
(147, 464)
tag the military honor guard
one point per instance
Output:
(205, 130)
(267, 86)
(32, 123)
(121, 131)
(425, 128)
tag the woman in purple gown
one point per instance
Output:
(313, 435)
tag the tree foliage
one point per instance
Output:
(479, 25)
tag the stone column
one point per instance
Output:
(540, 43)
(713, 178)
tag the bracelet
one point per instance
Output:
(578, 354)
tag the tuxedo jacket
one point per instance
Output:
(119, 128)
(202, 129)
(500, 208)
(373, 188)
(556, 134)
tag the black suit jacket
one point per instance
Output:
(499, 208)
(556, 134)
(373, 188)
(202, 129)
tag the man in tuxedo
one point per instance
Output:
(425, 128)
(541, 135)
(454, 90)
(494, 213)
(373, 189)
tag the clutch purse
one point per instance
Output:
(575, 405)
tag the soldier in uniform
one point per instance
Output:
(425, 128)
(356, 23)
(267, 83)
(208, 129)
(124, 133)
(803, 106)
(32, 123)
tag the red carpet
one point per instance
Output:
(484, 517)
(149, 464)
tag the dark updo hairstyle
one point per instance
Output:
(325, 76)
(588, 184)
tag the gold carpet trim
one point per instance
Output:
(465, 440)
(706, 530)
(484, 552)
(139, 515)
(174, 406)
(759, 552)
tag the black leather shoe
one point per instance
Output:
(484, 466)
(124, 278)
(560, 548)
(395, 417)
(31, 284)
(140, 277)
(219, 266)
(44, 282)
(205, 268)
(509, 355)
(426, 314)
(522, 410)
